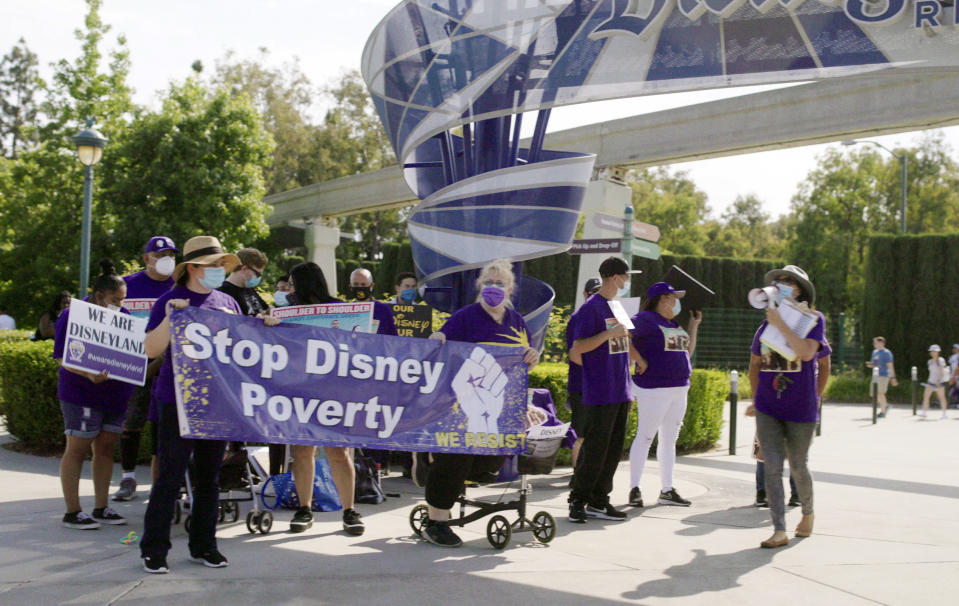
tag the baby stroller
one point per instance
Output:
(539, 458)
(237, 476)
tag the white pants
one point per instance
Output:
(661, 409)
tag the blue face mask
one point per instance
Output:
(253, 282)
(279, 299)
(785, 292)
(213, 277)
(677, 307)
(408, 295)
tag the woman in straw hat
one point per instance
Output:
(197, 277)
(785, 398)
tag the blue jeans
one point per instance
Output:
(173, 455)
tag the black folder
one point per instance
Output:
(697, 296)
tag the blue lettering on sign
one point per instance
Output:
(636, 22)
(643, 18)
(866, 13)
(927, 11)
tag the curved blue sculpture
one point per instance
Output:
(451, 79)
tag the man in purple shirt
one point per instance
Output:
(143, 289)
(601, 347)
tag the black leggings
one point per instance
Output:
(448, 474)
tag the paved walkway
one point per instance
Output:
(887, 532)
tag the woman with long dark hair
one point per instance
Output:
(46, 325)
(310, 288)
(786, 400)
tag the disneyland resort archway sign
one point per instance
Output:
(451, 80)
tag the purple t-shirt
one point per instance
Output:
(787, 390)
(606, 368)
(142, 291)
(665, 347)
(216, 300)
(473, 325)
(110, 396)
(574, 376)
(383, 319)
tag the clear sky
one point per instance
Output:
(327, 37)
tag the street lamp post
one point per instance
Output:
(89, 144)
(903, 159)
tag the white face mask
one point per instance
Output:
(164, 266)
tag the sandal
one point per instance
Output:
(804, 529)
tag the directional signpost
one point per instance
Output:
(642, 245)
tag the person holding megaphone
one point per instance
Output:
(782, 372)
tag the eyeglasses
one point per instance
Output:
(259, 274)
(786, 280)
(497, 283)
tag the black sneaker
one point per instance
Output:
(607, 512)
(635, 497)
(80, 520)
(794, 501)
(761, 499)
(671, 497)
(211, 559)
(577, 512)
(440, 533)
(128, 490)
(155, 564)
(106, 515)
(302, 520)
(352, 523)
(421, 468)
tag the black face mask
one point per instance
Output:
(361, 293)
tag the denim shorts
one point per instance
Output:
(85, 422)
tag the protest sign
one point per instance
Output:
(237, 379)
(344, 316)
(139, 308)
(413, 320)
(99, 338)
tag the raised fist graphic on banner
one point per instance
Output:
(479, 386)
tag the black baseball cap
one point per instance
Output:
(592, 285)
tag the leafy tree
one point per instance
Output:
(851, 196)
(282, 96)
(41, 192)
(19, 84)
(673, 203)
(193, 168)
(745, 232)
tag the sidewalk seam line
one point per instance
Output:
(125, 592)
(824, 584)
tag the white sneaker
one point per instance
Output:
(922, 413)
(944, 416)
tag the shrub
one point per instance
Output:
(28, 393)
(704, 413)
(853, 386)
(15, 335)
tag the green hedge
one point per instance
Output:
(702, 424)
(911, 285)
(28, 397)
(28, 393)
(15, 335)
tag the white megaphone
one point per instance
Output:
(760, 297)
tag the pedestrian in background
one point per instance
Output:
(938, 378)
(882, 359)
(46, 324)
